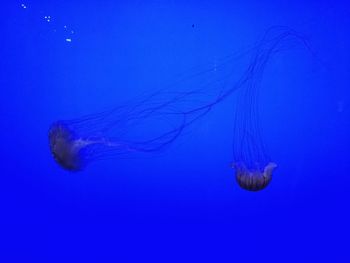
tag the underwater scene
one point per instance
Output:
(175, 131)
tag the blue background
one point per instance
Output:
(183, 205)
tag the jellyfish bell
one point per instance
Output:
(71, 151)
(254, 179)
(66, 147)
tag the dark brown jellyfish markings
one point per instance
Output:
(66, 148)
(254, 180)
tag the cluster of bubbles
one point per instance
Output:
(67, 31)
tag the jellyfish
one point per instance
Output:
(252, 164)
(133, 128)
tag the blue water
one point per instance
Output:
(61, 60)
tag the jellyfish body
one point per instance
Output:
(69, 150)
(74, 152)
(253, 179)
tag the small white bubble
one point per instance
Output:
(65, 26)
(68, 40)
(24, 6)
(47, 18)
